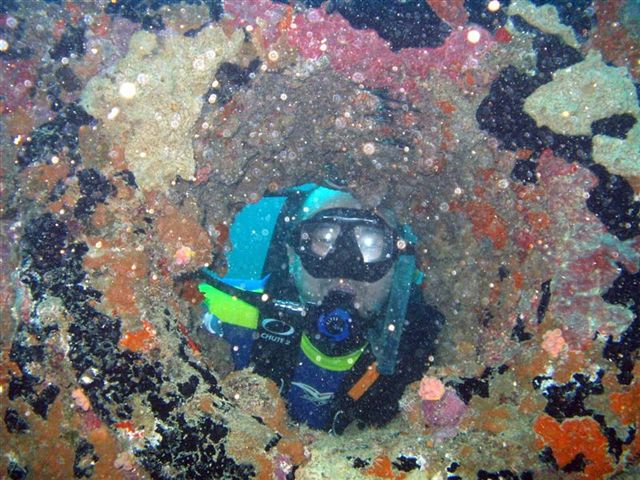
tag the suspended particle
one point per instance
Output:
(115, 111)
(198, 64)
(127, 90)
(142, 78)
(503, 183)
(473, 36)
(368, 148)
(358, 77)
(273, 56)
(493, 6)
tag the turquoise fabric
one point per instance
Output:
(251, 235)
(387, 339)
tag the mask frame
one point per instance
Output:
(344, 257)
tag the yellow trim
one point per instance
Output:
(229, 309)
(335, 364)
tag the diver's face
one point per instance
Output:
(369, 297)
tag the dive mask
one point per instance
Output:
(346, 243)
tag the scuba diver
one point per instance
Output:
(323, 297)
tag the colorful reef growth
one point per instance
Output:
(505, 133)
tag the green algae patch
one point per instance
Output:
(151, 100)
(581, 94)
(545, 18)
(620, 156)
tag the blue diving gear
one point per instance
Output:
(309, 349)
(335, 325)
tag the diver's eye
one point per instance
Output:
(323, 239)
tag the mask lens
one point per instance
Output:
(322, 238)
(346, 243)
(371, 242)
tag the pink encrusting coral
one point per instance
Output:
(19, 78)
(431, 388)
(444, 415)
(553, 342)
(362, 55)
(350, 52)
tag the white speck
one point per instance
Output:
(391, 327)
(323, 47)
(503, 183)
(444, 207)
(198, 63)
(55, 159)
(127, 90)
(368, 148)
(212, 98)
(142, 78)
(473, 36)
(358, 77)
(273, 55)
(4, 45)
(283, 96)
(493, 6)
(175, 120)
(113, 113)
(210, 54)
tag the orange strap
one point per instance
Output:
(367, 379)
